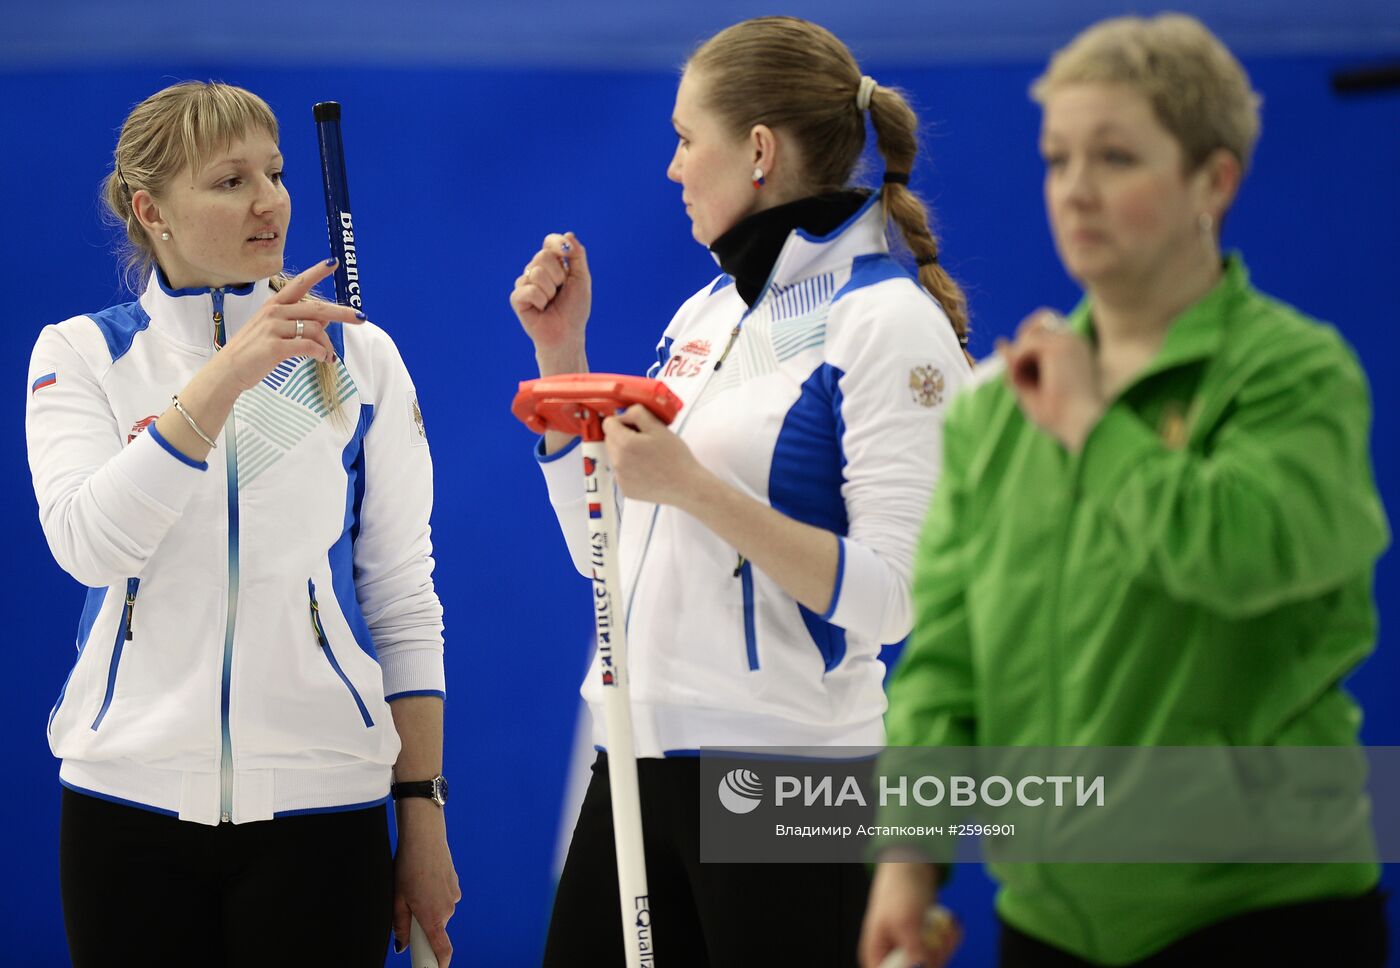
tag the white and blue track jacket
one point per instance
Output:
(828, 408)
(246, 618)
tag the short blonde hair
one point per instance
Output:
(178, 126)
(1196, 87)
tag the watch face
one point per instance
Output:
(440, 789)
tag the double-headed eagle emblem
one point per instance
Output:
(926, 384)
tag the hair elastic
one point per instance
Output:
(896, 178)
(867, 88)
(928, 260)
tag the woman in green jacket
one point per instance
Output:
(1159, 529)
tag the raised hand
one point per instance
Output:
(286, 326)
(1051, 370)
(552, 298)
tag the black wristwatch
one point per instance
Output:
(434, 789)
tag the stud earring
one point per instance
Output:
(165, 236)
(757, 177)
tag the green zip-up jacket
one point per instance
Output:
(1200, 574)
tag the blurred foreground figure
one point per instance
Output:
(1158, 529)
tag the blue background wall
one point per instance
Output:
(468, 139)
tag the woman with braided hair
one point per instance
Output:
(767, 535)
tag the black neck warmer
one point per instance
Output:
(749, 249)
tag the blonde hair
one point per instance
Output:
(793, 75)
(176, 128)
(1196, 87)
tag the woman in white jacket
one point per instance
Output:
(243, 483)
(766, 536)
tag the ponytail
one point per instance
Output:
(793, 75)
(896, 137)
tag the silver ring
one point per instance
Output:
(301, 327)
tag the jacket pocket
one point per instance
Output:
(124, 635)
(744, 572)
(326, 650)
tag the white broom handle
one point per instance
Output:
(420, 953)
(635, 903)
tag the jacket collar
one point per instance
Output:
(1197, 332)
(749, 250)
(186, 316)
(804, 255)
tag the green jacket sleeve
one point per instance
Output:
(931, 691)
(1279, 507)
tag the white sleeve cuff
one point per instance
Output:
(870, 598)
(563, 476)
(563, 472)
(413, 671)
(155, 468)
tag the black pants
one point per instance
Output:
(725, 915)
(143, 888)
(1335, 933)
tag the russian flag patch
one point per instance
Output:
(595, 510)
(47, 380)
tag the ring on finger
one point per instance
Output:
(301, 328)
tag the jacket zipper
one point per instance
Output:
(744, 572)
(226, 673)
(733, 335)
(326, 650)
(676, 429)
(131, 585)
(1056, 590)
(123, 637)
